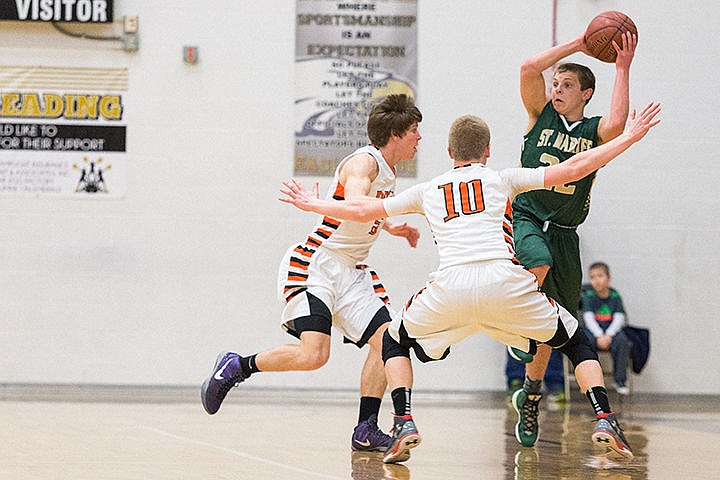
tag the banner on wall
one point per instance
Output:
(83, 11)
(63, 131)
(348, 56)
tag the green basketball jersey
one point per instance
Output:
(551, 141)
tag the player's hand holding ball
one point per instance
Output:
(608, 28)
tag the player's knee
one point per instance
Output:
(314, 351)
(578, 348)
(392, 348)
(313, 360)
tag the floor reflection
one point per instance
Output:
(263, 435)
(369, 466)
(564, 449)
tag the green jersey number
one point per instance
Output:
(549, 160)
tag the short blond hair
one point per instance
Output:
(469, 138)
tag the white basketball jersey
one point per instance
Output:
(352, 240)
(469, 210)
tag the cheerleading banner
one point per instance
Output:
(348, 56)
(63, 131)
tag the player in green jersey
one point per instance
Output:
(545, 221)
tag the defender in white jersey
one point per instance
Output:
(328, 265)
(479, 285)
(323, 281)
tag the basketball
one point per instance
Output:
(603, 29)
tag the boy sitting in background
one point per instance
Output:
(604, 318)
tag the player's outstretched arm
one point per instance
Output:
(532, 82)
(612, 124)
(584, 163)
(354, 209)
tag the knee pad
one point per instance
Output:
(391, 348)
(578, 348)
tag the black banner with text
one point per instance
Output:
(82, 11)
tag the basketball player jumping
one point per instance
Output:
(545, 221)
(479, 285)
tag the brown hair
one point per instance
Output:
(600, 265)
(393, 116)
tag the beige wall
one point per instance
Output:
(147, 289)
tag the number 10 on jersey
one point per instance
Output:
(470, 197)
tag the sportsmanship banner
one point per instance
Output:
(348, 56)
(63, 131)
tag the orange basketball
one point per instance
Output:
(605, 28)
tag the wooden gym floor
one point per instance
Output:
(71, 432)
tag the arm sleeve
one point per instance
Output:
(523, 179)
(591, 324)
(618, 322)
(408, 201)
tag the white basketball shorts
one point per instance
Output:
(352, 293)
(498, 298)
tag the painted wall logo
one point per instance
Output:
(92, 179)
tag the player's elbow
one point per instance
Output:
(530, 67)
(614, 130)
(612, 125)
